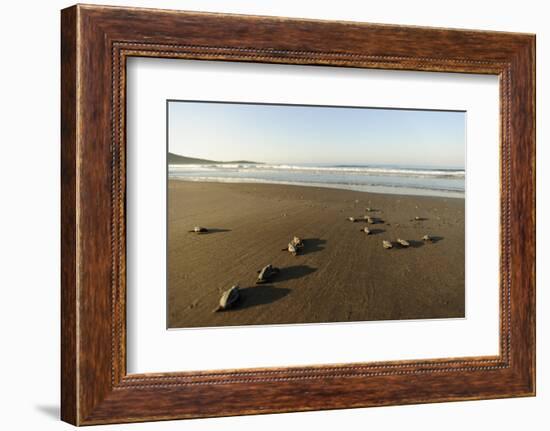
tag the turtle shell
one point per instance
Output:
(229, 298)
(402, 242)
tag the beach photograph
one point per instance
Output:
(283, 214)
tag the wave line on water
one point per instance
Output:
(336, 169)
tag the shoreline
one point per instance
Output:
(384, 190)
(343, 275)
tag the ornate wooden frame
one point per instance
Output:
(95, 42)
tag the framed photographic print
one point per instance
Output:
(265, 214)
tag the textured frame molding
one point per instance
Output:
(96, 41)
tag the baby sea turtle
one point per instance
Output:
(427, 238)
(366, 230)
(198, 229)
(297, 242)
(387, 244)
(229, 298)
(291, 248)
(294, 245)
(266, 273)
(403, 243)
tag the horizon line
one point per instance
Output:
(333, 164)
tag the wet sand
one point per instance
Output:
(342, 275)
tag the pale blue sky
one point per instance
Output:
(308, 134)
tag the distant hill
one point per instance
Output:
(176, 159)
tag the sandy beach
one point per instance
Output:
(342, 275)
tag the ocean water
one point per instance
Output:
(429, 181)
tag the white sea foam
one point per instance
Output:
(343, 169)
(397, 180)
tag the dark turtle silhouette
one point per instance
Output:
(198, 229)
(266, 273)
(229, 298)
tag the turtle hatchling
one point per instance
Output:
(266, 273)
(294, 246)
(297, 242)
(366, 230)
(291, 248)
(199, 229)
(229, 298)
(403, 243)
(387, 244)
